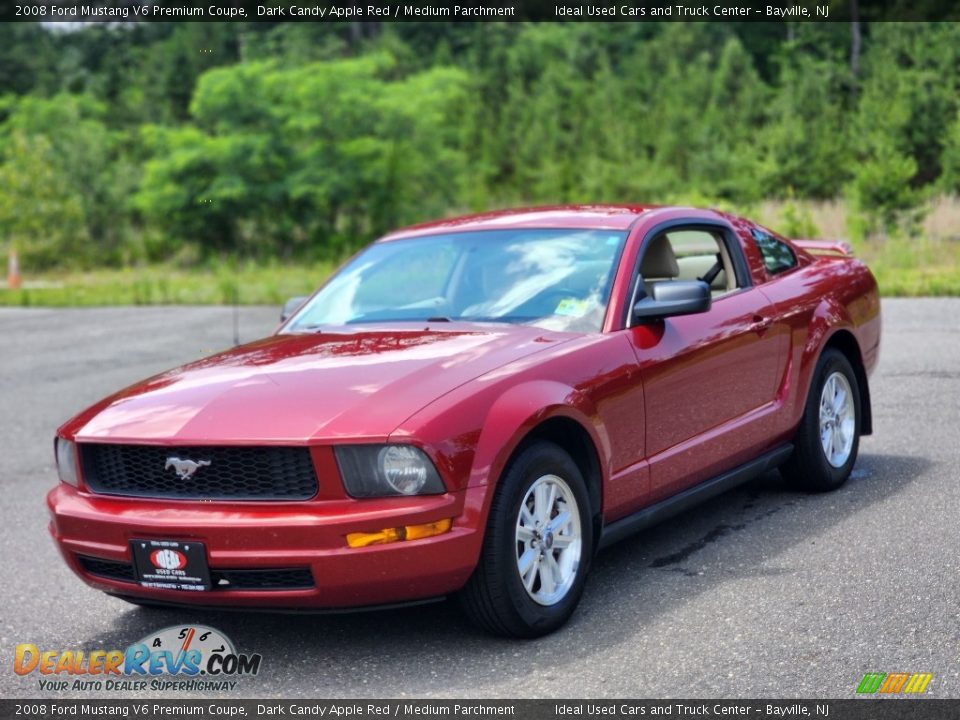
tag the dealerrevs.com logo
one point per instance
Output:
(177, 658)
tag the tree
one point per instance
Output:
(285, 160)
(950, 180)
(84, 165)
(40, 214)
(908, 102)
(807, 141)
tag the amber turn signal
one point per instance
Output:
(389, 535)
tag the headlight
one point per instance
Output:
(66, 453)
(383, 470)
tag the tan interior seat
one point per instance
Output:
(728, 274)
(659, 262)
(699, 251)
(694, 267)
(697, 264)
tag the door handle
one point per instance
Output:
(760, 323)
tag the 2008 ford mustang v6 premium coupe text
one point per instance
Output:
(476, 406)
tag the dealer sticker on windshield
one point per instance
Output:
(572, 307)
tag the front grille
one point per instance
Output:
(233, 473)
(107, 568)
(270, 579)
(260, 579)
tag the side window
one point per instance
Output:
(703, 255)
(777, 256)
(690, 253)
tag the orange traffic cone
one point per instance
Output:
(13, 271)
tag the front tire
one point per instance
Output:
(537, 547)
(828, 439)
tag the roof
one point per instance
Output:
(599, 217)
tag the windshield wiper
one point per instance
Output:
(322, 327)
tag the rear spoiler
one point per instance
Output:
(818, 247)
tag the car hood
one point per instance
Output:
(292, 388)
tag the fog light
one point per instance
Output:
(408, 532)
(415, 532)
(378, 538)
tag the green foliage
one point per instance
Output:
(63, 182)
(213, 283)
(908, 103)
(797, 221)
(950, 181)
(882, 195)
(39, 214)
(182, 142)
(806, 144)
(286, 161)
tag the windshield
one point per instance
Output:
(555, 279)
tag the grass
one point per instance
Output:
(926, 265)
(248, 284)
(921, 267)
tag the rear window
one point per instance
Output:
(777, 256)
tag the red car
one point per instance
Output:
(477, 406)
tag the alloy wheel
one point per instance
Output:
(837, 419)
(549, 540)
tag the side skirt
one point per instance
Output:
(654, 514)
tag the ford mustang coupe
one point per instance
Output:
(476, 406)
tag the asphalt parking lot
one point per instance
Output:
(763, 592)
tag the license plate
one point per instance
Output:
(171, 564)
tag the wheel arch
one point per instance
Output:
(846, 343)
(494, 595)
(573, 438)
(550, 411)
(831, 326)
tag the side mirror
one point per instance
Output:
(676, 297)
(291, 306)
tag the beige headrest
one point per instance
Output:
(659, 260)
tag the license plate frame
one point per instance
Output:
(171, 564)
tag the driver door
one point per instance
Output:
(709, 379)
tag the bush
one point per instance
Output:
(882, 197)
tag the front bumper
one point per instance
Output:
(268, 536)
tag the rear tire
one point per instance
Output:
(536, 549)
(828, 439)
